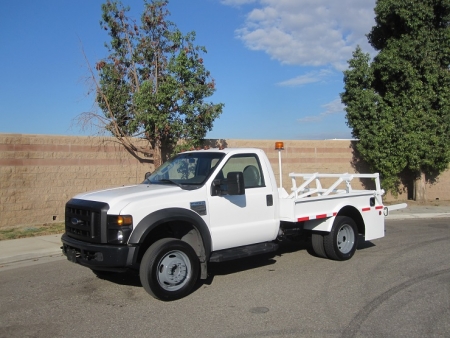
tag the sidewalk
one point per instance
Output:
(420, 211)
(35, 248)
(31, 248)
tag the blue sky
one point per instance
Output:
(277, 64)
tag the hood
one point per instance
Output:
(118, 198)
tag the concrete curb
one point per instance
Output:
(412, 216)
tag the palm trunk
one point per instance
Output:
(420, 188)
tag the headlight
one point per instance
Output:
(119, 228)
(120, 236)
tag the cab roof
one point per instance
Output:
(226, 150)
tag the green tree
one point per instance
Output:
(153, 83)
(398, 105)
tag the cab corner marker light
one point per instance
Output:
(279, 145)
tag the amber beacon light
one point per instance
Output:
(279, 146)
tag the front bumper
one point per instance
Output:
(99, 256)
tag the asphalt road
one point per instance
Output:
(398, 286)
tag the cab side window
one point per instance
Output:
(249, 165)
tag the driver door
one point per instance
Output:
(243, 219)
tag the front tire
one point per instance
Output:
(169, 269)
(340, 244)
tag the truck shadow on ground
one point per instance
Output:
(253, 262)
(129, 278)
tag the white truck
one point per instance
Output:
(215, 205)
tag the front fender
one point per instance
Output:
(151, 221)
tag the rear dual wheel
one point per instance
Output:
(317, 244)
(340, 243)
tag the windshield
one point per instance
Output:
(187, 170)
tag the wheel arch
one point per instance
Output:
(353, 213)
(179, 223)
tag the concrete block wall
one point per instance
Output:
(40, 173)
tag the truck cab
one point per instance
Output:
(212, 200)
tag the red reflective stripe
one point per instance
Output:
(365, 209)
(379, 207)
(321, 216)
(302, 219)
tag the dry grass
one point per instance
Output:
(31, 231)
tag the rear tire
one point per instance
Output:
(317, 244)
(169, 269)
(340, 244)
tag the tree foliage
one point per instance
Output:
(153, 84)
(398, 105)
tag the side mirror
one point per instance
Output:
(235, 182)
(147, 174)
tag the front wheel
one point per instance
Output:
(340, 244)
(169, 269)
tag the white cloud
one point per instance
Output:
(308, 32)
(334, 107)
(310, 77)
(331, 108)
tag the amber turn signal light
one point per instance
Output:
(124, 220)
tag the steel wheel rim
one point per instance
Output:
(345, 239)
(174, 270)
